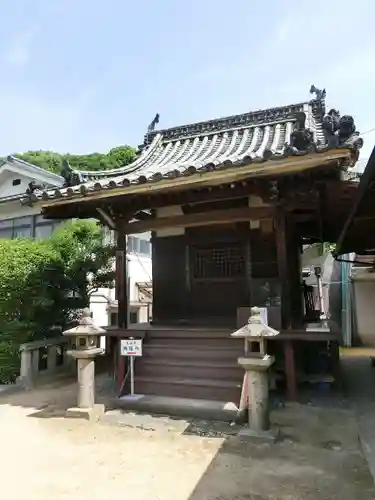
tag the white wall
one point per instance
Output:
(364, 300)
(17, 169)
(6, 185)
(13, 209)
(139, 270)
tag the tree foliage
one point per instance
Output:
(51, 161)
(43, 283)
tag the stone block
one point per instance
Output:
(92, 414)
(269, 436)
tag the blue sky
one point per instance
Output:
(87, 75)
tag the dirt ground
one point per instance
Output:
(45, 456)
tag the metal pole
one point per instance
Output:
(132, 375)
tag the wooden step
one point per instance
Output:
(189, 388)
(194, 369)
(175, 351)
(188, 342)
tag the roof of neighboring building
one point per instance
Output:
(255, 138)
(358, 232)
(364, 260)
(54, 179)
(38, 175)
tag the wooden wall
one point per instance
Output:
(169, 279)
(205, 274)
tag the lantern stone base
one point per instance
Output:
(93, 414)
(86, 407)
(256, 368)
(269, 436)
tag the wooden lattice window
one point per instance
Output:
(219, 262)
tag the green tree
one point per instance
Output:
(51, 161)
(44, 282)
(86, 258)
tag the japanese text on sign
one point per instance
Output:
(131, 347)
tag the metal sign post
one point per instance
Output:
(131, 375)
(131, 347)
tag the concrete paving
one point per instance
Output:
(359, 380)
(318, 456)
(180, 407)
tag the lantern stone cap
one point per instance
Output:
(86, 326)
(253, 363)
(255, 327)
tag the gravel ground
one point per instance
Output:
(137, 457)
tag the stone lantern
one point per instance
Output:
(256, 365)
(84, 348)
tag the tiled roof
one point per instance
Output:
(364, 260)
(255, 137)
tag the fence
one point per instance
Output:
(43, 358)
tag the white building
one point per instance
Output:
(18, 220)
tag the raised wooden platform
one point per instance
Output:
(141, 330)
(184, 361)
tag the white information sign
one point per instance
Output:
(131, 347)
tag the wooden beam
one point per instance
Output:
(104, 216)
(143, 215)
(282, 261)
(189, 197)
(201, 219)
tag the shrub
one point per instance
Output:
(42, 283)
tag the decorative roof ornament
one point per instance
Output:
(301, 139)
(72, 177)
(271, 135)
(149, 135)
(153, 124)
(319, 103)
(340, 132)
(33, 186)
(320, 95)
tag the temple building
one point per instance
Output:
(230, 203)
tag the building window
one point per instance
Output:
(113, 319)
(16, 182)
(44, 227)
(27, 227)
(43, 231)
(221, 261)
(133, 317)
(139, 246)
(144, 247)
(130, 244)
(21, 227)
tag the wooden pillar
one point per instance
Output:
(122, 301)
(283, 270)
(285, 276)
(290, 369)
